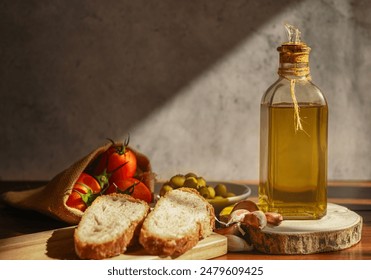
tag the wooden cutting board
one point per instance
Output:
(58, 244)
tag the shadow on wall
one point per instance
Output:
(74, 73)
(360, 77)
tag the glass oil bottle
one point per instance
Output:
(293, 138)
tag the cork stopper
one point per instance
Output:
(294, 54)
(294, 62)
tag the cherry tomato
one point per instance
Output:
(75, 201)
(84, 192)
(133, 187)
(122, 165)
(119, 162)
(103, 160)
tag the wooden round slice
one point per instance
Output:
(339, 229)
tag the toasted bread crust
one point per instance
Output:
(158, 245)
(166, 247)
(87, 250)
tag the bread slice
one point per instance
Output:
(107, 227)
(179, 220)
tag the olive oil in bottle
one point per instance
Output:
(293, 139)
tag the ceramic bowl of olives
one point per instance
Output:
(219, 194)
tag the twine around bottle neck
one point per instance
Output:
(294, 64)
(294, 60)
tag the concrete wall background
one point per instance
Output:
(184, 78)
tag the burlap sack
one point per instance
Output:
(51, 198)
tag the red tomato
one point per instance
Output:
(75, 201)
(83, 192)
(119, 162)
(128, 162)
(103, 160)
(133, 187)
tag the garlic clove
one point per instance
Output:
(238, 244)
(237, 216)
(232, 229)
(252, 220)
(273, 219)
(261, 217)
(247, 205)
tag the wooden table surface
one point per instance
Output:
(355, 195)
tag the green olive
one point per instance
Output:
(190, 182)
(221, 190)
(201, 182)
(177, 181)
(211, 192)
(218, 197)
(190, 174)
(230, 194)
(165, 188)
(204, 191)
